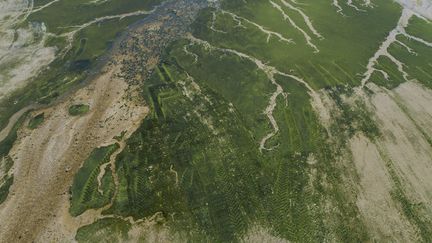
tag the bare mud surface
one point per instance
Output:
(403, 117)
(65, 226)
(385, 221)
(416, 106)
(12, 121)
(59, 146)
(404, 143)
(402, 152)
(258, 234)
(421, 7)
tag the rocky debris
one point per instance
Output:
(141, 47)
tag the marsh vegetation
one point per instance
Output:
(270, 120)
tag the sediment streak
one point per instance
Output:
(307, 37)
(263, 29)
(383, 50)
(71, 35)
(270, 72)
(350, 3)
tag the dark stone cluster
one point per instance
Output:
(139, 50)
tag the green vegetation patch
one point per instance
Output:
(105, 230)
(192, 159)
(77, 110)
(7, 143)
(418, 63)
(420, 27)
(6, 179)
(36, 121)
(235, 79)
(79, 12)
(196, 156)
(353, 116)
(86, 193)
(4, 188)
(6, 162)
(342, 54)
(416, 213)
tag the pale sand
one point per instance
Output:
(384, 219)
(63, 141)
